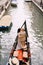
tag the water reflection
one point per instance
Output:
(34, 20)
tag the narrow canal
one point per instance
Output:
(34, 19)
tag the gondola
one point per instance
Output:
(11, 57)
(5, 23)
(14, 3)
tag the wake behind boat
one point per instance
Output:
(20, 55)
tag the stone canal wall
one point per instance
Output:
(4, 4)
(39, 4)
(39, 1)
(42, 1)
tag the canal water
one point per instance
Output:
(34, 19)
